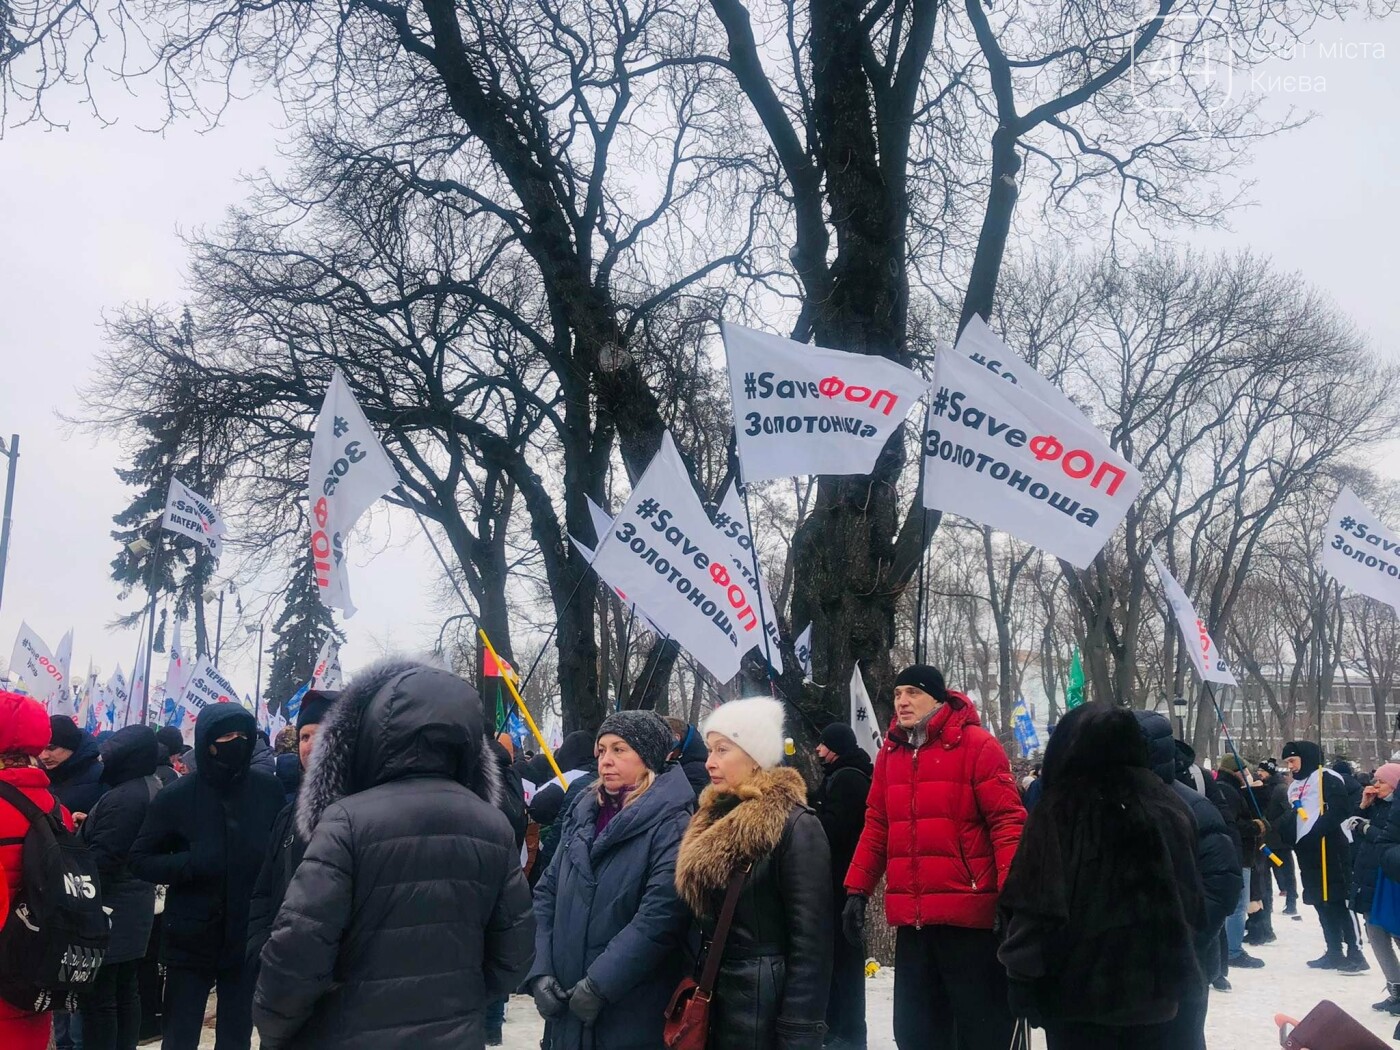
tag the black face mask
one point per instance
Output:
(229, 760)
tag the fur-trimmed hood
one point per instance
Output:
(398, 719)
(731, 830)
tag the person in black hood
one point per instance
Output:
(1104, 897)
(551, 803)
(690, 753)
(73, 764)
(1312, 825)
(409, 911)
(1217, 859)
(840, 806)
(111, 1010)
(204, 837)
(285, 846)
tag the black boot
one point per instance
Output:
(1331, 961)
(1355, 962)
(1391, 1003)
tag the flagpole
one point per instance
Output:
(758, 589)
(150, 630)
(1242, 767)
(921, 600)
(525, 711)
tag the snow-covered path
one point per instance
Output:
(1242, 1018)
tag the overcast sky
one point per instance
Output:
(93, 217)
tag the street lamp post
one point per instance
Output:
(11, 453)
(1179, 709)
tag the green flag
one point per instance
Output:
(1074, 695)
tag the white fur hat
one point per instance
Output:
(755, 724)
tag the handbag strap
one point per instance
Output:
(715, 954)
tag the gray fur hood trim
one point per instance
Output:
(396, 719)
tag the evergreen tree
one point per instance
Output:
(298, 634)
(171, 444)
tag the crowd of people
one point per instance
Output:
(388, 873)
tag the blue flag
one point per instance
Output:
(518, 730)
(294, 704)
(1026, 737)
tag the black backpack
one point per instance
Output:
(54, 937)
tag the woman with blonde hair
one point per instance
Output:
(754, 824)
(609, 924)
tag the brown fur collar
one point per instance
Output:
(730, 830)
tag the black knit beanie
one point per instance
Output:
(840, 739)
(645, 732)
(314, 707)
(925, 677)
(64, 733)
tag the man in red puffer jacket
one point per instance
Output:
(24, 732)
(941, 824)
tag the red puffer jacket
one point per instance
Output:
(24, 730)
(942, 823)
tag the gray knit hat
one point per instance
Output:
(645, 732)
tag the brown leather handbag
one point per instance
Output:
(688, 1015)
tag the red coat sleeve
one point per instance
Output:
(868, 863)
(999, 803)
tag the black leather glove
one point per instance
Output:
(853, 920)
(550, 998)
(1023, 1000)
(584, 1002)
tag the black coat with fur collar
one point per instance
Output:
(773, 983)
(409, 911)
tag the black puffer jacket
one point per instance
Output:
(1238, 814)
(77, 782)
(1217, 855)
(839, 802)
(285, 851)
(1326, 827)
(773, 983)
(692, 758)
(204, 837)
(409, 912)
(128, 762)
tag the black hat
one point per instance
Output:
(314, 706)
(925, 677)
(172, 739)
(64, 733)
(645, 732)
(840, 739)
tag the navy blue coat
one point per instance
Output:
(77, 782)
(607, 909)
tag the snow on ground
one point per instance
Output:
(1239, 1018)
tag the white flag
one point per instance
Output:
(116, 697)
(39, 673)
(863, 720)
(1360, 551)
(997, 453)
(139, 688)
(349, 471)
(665, 555)
(802, 409)
(1195, 637)
(327, 674)
(803, 648)
(176, 675)
(602, 525)
(733, 526)
(207, 685)
(190, 514)
(63, 655)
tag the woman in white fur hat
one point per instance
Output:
(772, 986)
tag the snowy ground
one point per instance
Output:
(1240, 1018)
